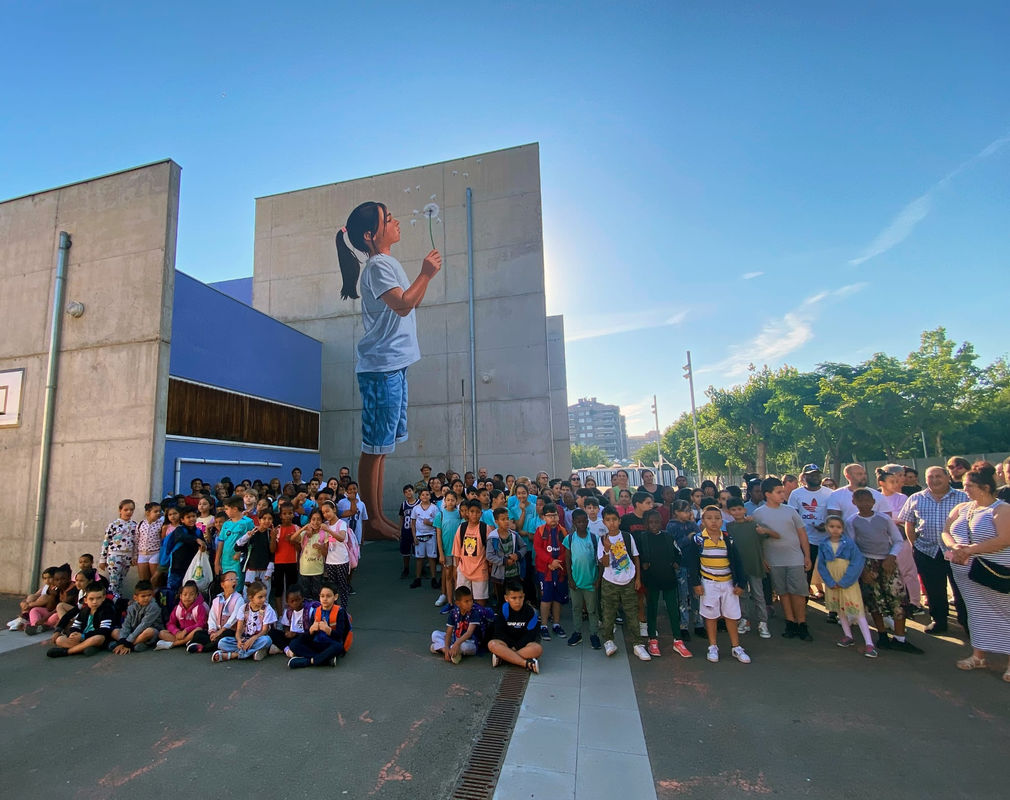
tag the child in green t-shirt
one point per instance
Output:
(748, 535)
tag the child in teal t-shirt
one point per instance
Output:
(582, 566)
(237, 525)
(446, 524)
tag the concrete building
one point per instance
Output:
(518, 351)
(636, 443)
(594, 423)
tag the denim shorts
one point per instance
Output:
(383, 410)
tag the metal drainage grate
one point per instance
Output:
(479, 779)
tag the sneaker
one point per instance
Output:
(352, 590)
(685, 635)
(641, 653)
(713, 653)
(260, 654)
(457, 658)
(34, 630)
(495, 661)
(445, 609)
(574, 639)
(275, 650)
(936, 629)
(740, 655)
(332, 662)
(883, 641)
(545, 633)
(743, 627)
(832, 618)
(441, 600)
(435, 583)
(56, 652)
(194, 647)
(559, 631)
(609, 647)
(141, 648)
(163, 645)
(435, 649)
(803, 633)
(790, 632)
(90, 651)
(415, 584)
(533, 666)
(763, 631)
(16, 624)
(643, 629)
(594, 641)
(289, 652)
(906, 647)
(847, 641)
(681, 649)
(297, 662)
(220, 655)
(654, 648)
(870, 651)
(618, 620)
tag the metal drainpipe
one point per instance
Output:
(223, 462)
(473, 335)
(55, 328)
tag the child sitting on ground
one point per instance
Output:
(251, 639)
(718, 579)
(37, 607)
(293, 623)
(516, 631)
(327, 637)
(141, 624)
(840, 563)
(460, 637)
(91, 630)
(187, 624)
(225, 610)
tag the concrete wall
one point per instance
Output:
(109, 418)
(562, 466)
(296, 280)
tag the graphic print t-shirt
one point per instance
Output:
(621, 569)
(812, 506)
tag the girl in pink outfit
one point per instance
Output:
(187, 624)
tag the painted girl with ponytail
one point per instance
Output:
(389, 343)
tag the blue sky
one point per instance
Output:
(761, 182)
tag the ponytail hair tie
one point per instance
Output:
(362, 257)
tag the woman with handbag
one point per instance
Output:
(978, 533)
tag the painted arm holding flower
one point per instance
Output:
(403, 302)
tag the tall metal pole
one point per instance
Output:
(473, 334)
(47, 410)
(689, 374)
(659, 444)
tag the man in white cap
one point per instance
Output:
(811, 502)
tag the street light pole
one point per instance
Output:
(689, 374)
(659, 443)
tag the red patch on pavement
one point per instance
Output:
(730, 780)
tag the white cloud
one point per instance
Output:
(589, 327)
(748, 276)
(639, 415)
(780, 336)
(901, 227)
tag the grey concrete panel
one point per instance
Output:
(498, 222)
(339, 387)
(24, 307)
(27, 240)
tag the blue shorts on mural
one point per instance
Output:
(383, 410)
(553, 591)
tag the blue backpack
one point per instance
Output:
(484, 617)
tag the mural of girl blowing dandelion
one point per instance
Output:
(389, 343)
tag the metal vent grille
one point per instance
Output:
(479, 779)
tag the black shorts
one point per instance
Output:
(406, 542)
(285, 576)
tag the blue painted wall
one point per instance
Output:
(212, 473)
(209, 327)
(239, 288)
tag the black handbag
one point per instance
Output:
(990, 575)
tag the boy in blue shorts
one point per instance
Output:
(550, 567)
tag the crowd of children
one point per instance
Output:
(261, 569)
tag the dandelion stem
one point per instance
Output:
(430, 234)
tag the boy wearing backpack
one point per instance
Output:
(328, 635)
(550, 565)
(469, 551)
(618, 555)
(580, 564)
(506, 553)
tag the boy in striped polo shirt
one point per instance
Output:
(718, 579)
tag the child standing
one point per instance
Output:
(596, 525)
(227, 559)
(460, 635)
(149, 541)
(748, 536)
(336, 566)
(718, 580)
(251, 639)
(182, 545)
(312, 563)
(119, 547)
(142, 623)
(285, 553)
(683, 527)
(406, 528)
(422, 522)
(660, 558)
(618, 555)
(187, 624)
(550, 566)
(259, 547)
(840, 563)
(447, 522)
(326, 639)
(506, 554)
(469, 552)
(581, 567)
(516, 631)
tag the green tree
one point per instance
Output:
(590, 455)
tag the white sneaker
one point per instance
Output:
(740, 655)
(441, 601)
(260, 654)
(436, 649)
(643, 629)
(763, 631)
(643, 654)
(609, 647)
(713, 653)
(163, 645)
(495, 661)
(743, 627)
(16, 624)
